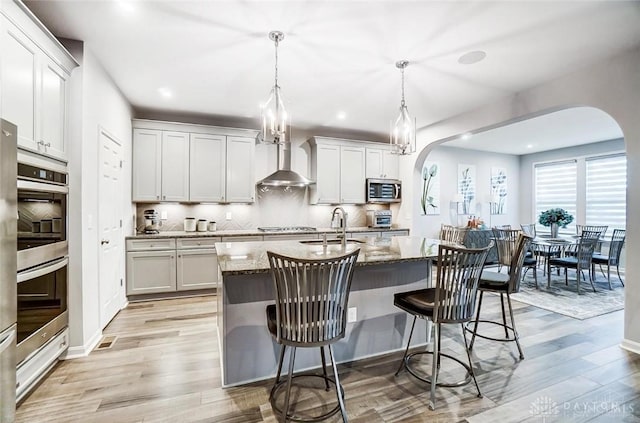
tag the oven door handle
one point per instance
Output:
(39, 186)
(36, 272)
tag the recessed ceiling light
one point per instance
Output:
(126, 6)
(529, 145)
(466, 136)
(472, 57)
(341, 115)
(165, 92)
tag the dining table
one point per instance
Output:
(548, 247)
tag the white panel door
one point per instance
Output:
(352, 175)
(241, 181)
(374, 163)
(111, 291)
(207, 173)
(19, 81)
(147, 165)
(175, 166)
(196, 269)
(53, 111)
(328, 174)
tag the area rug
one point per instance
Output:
(564, 299)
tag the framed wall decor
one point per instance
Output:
(498, 190)
(467, 188)
(430, 199)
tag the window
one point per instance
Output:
(606, 191)
(556, 187)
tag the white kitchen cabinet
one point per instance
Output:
(207, 168)
(196, 269)
(381, 163)
(35, 87)
(147, 165)
(241, 184)
(175, 166)
(151, 272)
(339, 168)
(389, 234)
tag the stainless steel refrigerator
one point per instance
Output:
(8, 283)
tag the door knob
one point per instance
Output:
(104, 241)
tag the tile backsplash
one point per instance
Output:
(274, 207)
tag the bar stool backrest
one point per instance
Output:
(615, 248)
(529, 229)
(457, 278)
(506, 241)
(453, 233)
(515, 268)
(311, 298)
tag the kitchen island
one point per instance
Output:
(385, 266)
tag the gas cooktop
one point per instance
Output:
(286, 229)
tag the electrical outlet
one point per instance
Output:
(352, 314)
(163, 215)
(228, 215)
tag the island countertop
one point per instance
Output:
(258, 232)
(251, 257)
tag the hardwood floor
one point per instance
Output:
(164, 367)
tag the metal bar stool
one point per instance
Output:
(505, 284)
(452, 300)
(310, 311)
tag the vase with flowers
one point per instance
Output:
(555, 218)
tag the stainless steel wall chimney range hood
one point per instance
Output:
(284, 176)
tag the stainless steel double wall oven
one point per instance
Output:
(42, 256)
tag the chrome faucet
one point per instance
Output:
(342, 224)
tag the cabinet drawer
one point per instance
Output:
(242, 238)
(389, 234)
(191, 243)
(151, 244)
(290, 237)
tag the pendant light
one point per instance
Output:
(274, 115)
(402, 136)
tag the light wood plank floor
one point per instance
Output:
(164, 367)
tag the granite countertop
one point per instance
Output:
(255, 232)
(238, 258)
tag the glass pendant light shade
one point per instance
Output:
(403, 132)
(275, 119)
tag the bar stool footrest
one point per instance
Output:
(511, 338)
(274, 392)
(467, 379)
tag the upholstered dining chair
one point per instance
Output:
(613, 256)
(505, 285)
(310, 311)
(452, 300)
(580, 260)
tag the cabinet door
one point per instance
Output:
(175, 166)
(328, 174)
(390, 165)
(352, 180)
(207, 173)
(19, 83)
(241, 184)
(374, 163)
(149, 272)
(197, 269)
(146, 165)
(54, 109)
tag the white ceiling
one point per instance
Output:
(216, 59)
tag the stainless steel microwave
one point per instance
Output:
(384, 190)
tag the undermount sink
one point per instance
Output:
(331, 241)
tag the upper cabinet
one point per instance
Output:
(192, 163)
(35, 72)
(338, 167)
(382, 163)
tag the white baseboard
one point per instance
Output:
(631, 346)
(82, 350)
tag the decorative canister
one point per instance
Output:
(56, 225)
(202, 225)
(212, 227)
(45, 225)
(190, 224)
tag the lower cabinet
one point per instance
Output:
(169, 266)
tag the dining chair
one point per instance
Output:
(602, 229)
(506, 243)
(310, 311)
(581, 261)
(503, 284)
(452, 300)
(452, 233)
(613, 256)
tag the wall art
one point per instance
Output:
(467, 189)
(498, 190)
(430, 199)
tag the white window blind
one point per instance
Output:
(556, 187)
(606, 191)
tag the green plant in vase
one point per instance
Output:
(555, 218)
